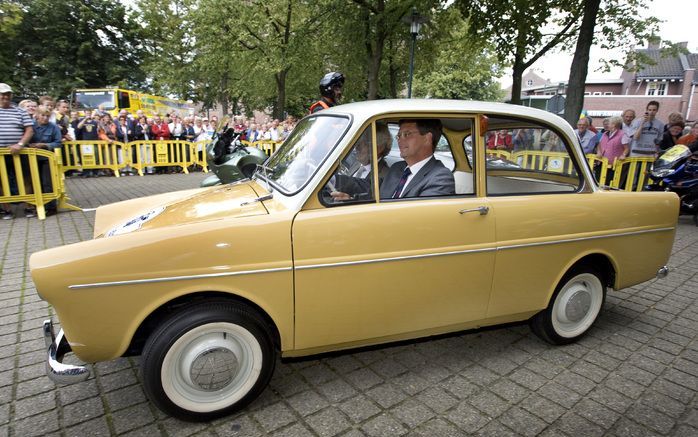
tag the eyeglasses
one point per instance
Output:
(406, 134)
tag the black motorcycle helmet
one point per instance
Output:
(329, 81)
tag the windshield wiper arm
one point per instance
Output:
(258, 199)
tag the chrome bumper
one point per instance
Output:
(662, 272)
(58, 346)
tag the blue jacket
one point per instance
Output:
(48, 133)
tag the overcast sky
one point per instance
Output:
(680, 24)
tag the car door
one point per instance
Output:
(373, 272)
(543, 214)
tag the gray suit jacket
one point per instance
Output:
(434, 179)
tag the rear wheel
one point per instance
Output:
(574, 307)
(208, 360)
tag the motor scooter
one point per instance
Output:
(677, 170)
(229, 159)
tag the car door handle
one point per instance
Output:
(483, 210)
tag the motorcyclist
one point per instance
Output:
(331, 91)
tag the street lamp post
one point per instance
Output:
(415, 21)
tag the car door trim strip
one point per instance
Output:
(178, 278)
(360, 262)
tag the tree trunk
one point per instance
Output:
(580, 63)
(280, 105)
(516, 75)
(224, 94)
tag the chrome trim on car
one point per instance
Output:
(57, 346)
(594, 237)
(395, 258)
(177, 278)
(359, 262)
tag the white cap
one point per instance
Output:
(5, 88)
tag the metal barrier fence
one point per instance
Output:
(629, 174)
(141, 155)
(21, 178)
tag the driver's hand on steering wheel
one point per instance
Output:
(340, 196)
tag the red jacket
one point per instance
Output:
(161, 131)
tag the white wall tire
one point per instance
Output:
(207, 361)
(573, 309)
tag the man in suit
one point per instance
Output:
(357, 185)
(420, 174)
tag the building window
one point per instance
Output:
(529, 82)
(587, 93)
(656, 88)
(597, 93)
(607, 93)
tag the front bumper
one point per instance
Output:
(58, 346)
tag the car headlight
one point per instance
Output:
(135, 223)
(662, 172)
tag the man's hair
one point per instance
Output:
(383, 138)
(585, 120)
(616, 121)
(426, 125)
(652, 103)
(629, 110)
(44, 99)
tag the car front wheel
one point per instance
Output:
(207, 361)
(574, 307)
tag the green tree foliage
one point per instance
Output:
(522, 31)
(166, 26)
(614, 25)
(63, 45)
(461, 70)
(10, 20)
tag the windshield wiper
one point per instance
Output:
(258, 199)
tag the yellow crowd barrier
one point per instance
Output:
(629, 174)
(28, 164)
(142, 155)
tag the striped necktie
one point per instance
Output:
(403, 180)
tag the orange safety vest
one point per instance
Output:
(318, 103)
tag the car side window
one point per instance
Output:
(526, 158)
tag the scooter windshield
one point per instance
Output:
(299, 157)
(672, 155)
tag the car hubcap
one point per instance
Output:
(577, 305)
(214, 369)
(211, 367)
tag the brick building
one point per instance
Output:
(672, 81)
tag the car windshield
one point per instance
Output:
(296, 161)
(93, 99)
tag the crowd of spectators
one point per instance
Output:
(52, 123)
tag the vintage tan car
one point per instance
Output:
(310, 255)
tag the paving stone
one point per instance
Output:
(82, 411)
(542, 407)
(522, 421)
(34, 405)
(125, 397)
(468, 418)
(295, 430)
(651, 418)
(132, 418)
(328, 422)
(39, 425)
(412, 413)
(383, 425)
(94, 428)
(510, 391)
(436, 427)
(574, 425)
(386, 395)
(336, 390)
(307, 402)
(437, 399)
(596, 413)
(274, 416)
(411, 383)
(364, 378)
(489, 403)
(242, 426)
(359, 408)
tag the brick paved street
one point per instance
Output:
(635, 374)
